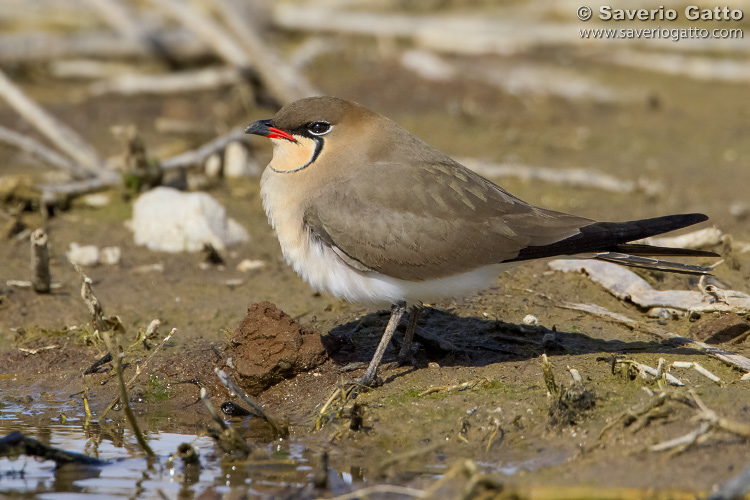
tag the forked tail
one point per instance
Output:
(610, 241)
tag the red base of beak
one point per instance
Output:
(276, 133)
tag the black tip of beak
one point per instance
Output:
(259, 128)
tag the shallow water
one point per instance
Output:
(286, 467)
(128, 472)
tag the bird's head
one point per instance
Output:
(306, 129)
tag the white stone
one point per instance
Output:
(97, 200)
(530, 320)
(212, 167)
(239, 163)
(172, 221)
(110, 255)
(87, 255)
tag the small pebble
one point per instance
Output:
(740, 210)
(249, 265)
(110, 255)
(530, 320)
(96, 200)
(212, 167)
(87, 255)
(239, 163)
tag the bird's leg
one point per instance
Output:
(397, 310)
(411, 327)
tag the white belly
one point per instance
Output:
(319, 266)
(325, 271)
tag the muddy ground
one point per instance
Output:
(691, 136)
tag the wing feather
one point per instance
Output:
(429, 220)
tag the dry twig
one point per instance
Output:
(124, 395)
(172, 83)
(205, 29)
(180, 44)
(482, 382)
(729, 358)
(577, 177)
(139, 369)
(280, 427)
(711, 421)
(281, 79)
(228, 439)
(63, 137)
(101, 323)
(198, 156)
(40, 152)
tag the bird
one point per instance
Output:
(368, 212)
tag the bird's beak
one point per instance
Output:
(264, 128)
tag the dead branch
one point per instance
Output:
(206, 30)
(465, 34)
(31, 47)
(120, 18)
(172, 83)
(692, 66)
(699, 368)
(626, 285)
(101, 323)
(711, 421)
(632, 414)
(281, 79)
(63, 137)
(57, 193)
(198, 156)
(482, 382)
(228, 439)
(44, 14)
(280, 427)
(113, 350)
(40, 261)
(141, 368)
(182, 127)
(91, 69)
(40, 152)
(577, 177)
(642, 370)
(108, 179)
(729, 358)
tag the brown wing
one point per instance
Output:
(430, 220)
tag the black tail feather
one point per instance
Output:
(638, 249)
(654, 264)
(614, 236)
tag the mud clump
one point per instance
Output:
(570, 404)
(269, 346)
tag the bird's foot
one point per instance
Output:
(369, 381)
(407, 358)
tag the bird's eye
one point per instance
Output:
(319, 128)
